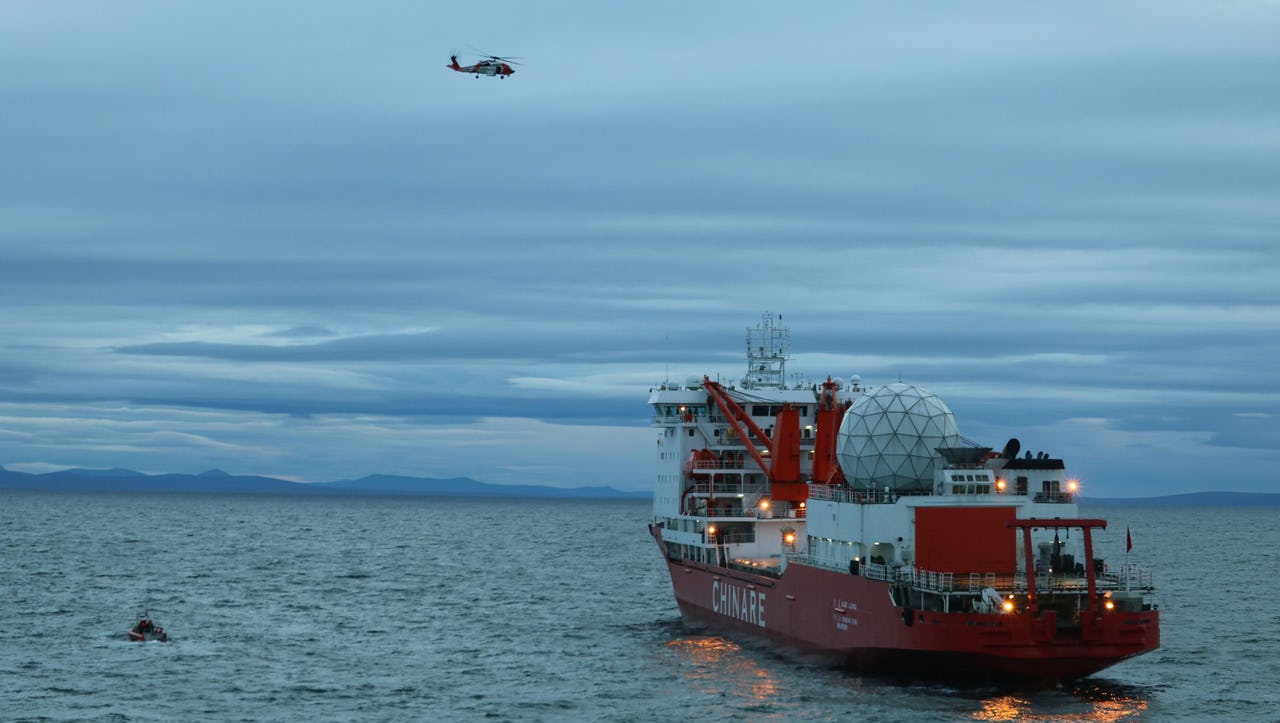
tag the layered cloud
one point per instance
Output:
(300, 246)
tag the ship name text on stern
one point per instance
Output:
(737, 602)
(844, 613)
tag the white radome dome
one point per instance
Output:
(889, 435)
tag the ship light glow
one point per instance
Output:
(789, 538)
(764, 504)
(1073, 486)
(1109, 605)
(1008, 606)
(999, 484)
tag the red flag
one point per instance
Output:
(1128, 540)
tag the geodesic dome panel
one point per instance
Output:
(889, 436)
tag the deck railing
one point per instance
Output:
(1060, 496)
(729, 512)
(844, 494)
(734, 538)
(1130, 577)
(728, 488)
(1133, 577)
(719, 464)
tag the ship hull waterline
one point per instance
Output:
(852, 622)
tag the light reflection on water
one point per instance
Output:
(1004, 707)
(1084, 700)
(1092, 703)
(1113, 703)
(712, 658)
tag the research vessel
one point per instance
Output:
(857, 524)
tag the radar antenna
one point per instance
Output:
(767, 344)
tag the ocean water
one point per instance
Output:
(401, 609)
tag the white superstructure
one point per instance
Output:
(725, 493)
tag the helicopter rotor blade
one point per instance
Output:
(498, 58)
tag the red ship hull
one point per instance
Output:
(852, 621)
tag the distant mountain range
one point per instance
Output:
(1194, 499)
(216, 481)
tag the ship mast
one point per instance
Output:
(767, 344)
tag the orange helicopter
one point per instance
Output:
(491, 65)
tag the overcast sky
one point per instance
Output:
(282, 238)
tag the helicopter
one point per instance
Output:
(491, 65)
